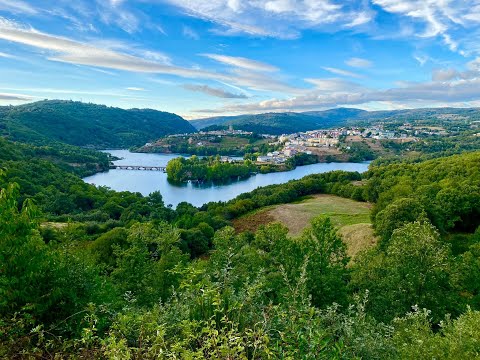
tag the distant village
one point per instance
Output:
(304, 142)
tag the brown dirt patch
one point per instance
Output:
(252, 222)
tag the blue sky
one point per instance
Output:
(223, 57)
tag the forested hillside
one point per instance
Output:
(79, 161)
(90, 125)
(283, 123)
(91, 273)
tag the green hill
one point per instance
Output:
(90, 125)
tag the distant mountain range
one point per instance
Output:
(289, 122)
(91, 125)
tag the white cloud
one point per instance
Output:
(5, 55)
(155, 56)
(260, 81)
(70, 51)
(188, 32)
(135, 89)
(333, 85)
(341, 72)
(359, 63)
(421, 58)
(60, 91)
(438, 17)
(242, 62)
(275, 18)
(362, 18)
(113, 12)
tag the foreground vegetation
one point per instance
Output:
(262, 296)
(90, 273)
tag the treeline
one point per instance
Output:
(359, 151)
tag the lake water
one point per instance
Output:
(146, 182)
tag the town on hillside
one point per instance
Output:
(337, 144)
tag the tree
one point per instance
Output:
(327, 261)
(415, 269)
(395, 215)
(143, 266)
(24, 260)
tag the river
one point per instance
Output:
(146, 182)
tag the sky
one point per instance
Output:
(201, 58)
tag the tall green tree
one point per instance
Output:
(327, 260)
(415, 269)
(144, 265)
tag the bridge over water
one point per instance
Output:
(138, 167)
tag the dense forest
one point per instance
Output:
(91, 273)
(87, 125)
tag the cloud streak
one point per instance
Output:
(70, 51)
(7, 56)
(242, 62)
(17, 7)
(14, 97)
(132, 88)
(217, 92)
(359, 63)
(342, 72)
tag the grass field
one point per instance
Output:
(352, 218)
